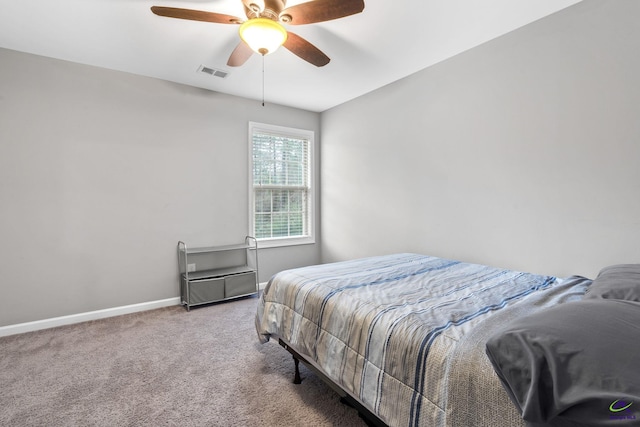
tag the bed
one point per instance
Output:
(405, 336)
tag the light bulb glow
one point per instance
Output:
(263, 35)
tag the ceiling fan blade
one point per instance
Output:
(240, 54)
(305, 50)
(195, 15)
(320, 10)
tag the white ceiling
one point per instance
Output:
(389, 40)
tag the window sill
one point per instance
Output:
(286, 241)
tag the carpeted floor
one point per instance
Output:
(164, 367)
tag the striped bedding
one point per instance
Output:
(386, 328)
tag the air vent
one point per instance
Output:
(213, 71)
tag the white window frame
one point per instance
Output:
(307, 135)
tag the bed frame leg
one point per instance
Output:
(296, 378)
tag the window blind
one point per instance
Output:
(281, 185)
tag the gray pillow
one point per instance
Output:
(575, 364)
(617, 282)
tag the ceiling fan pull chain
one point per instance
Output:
(263, 80)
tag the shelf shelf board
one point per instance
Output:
(218, 248)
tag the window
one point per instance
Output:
(281, 198)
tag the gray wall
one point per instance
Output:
(521, 153)
(102, 172)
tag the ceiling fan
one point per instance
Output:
(265, 19)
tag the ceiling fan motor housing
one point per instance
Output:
(271, 10)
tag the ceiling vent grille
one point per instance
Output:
(213, 71)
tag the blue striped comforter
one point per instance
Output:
(382, 327)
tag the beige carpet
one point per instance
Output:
(164, 367)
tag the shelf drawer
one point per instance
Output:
(206, 290)
(240, 284)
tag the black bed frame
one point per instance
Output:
(367, 416)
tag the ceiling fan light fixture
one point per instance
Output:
(263, 35)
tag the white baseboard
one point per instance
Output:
(83, 317)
